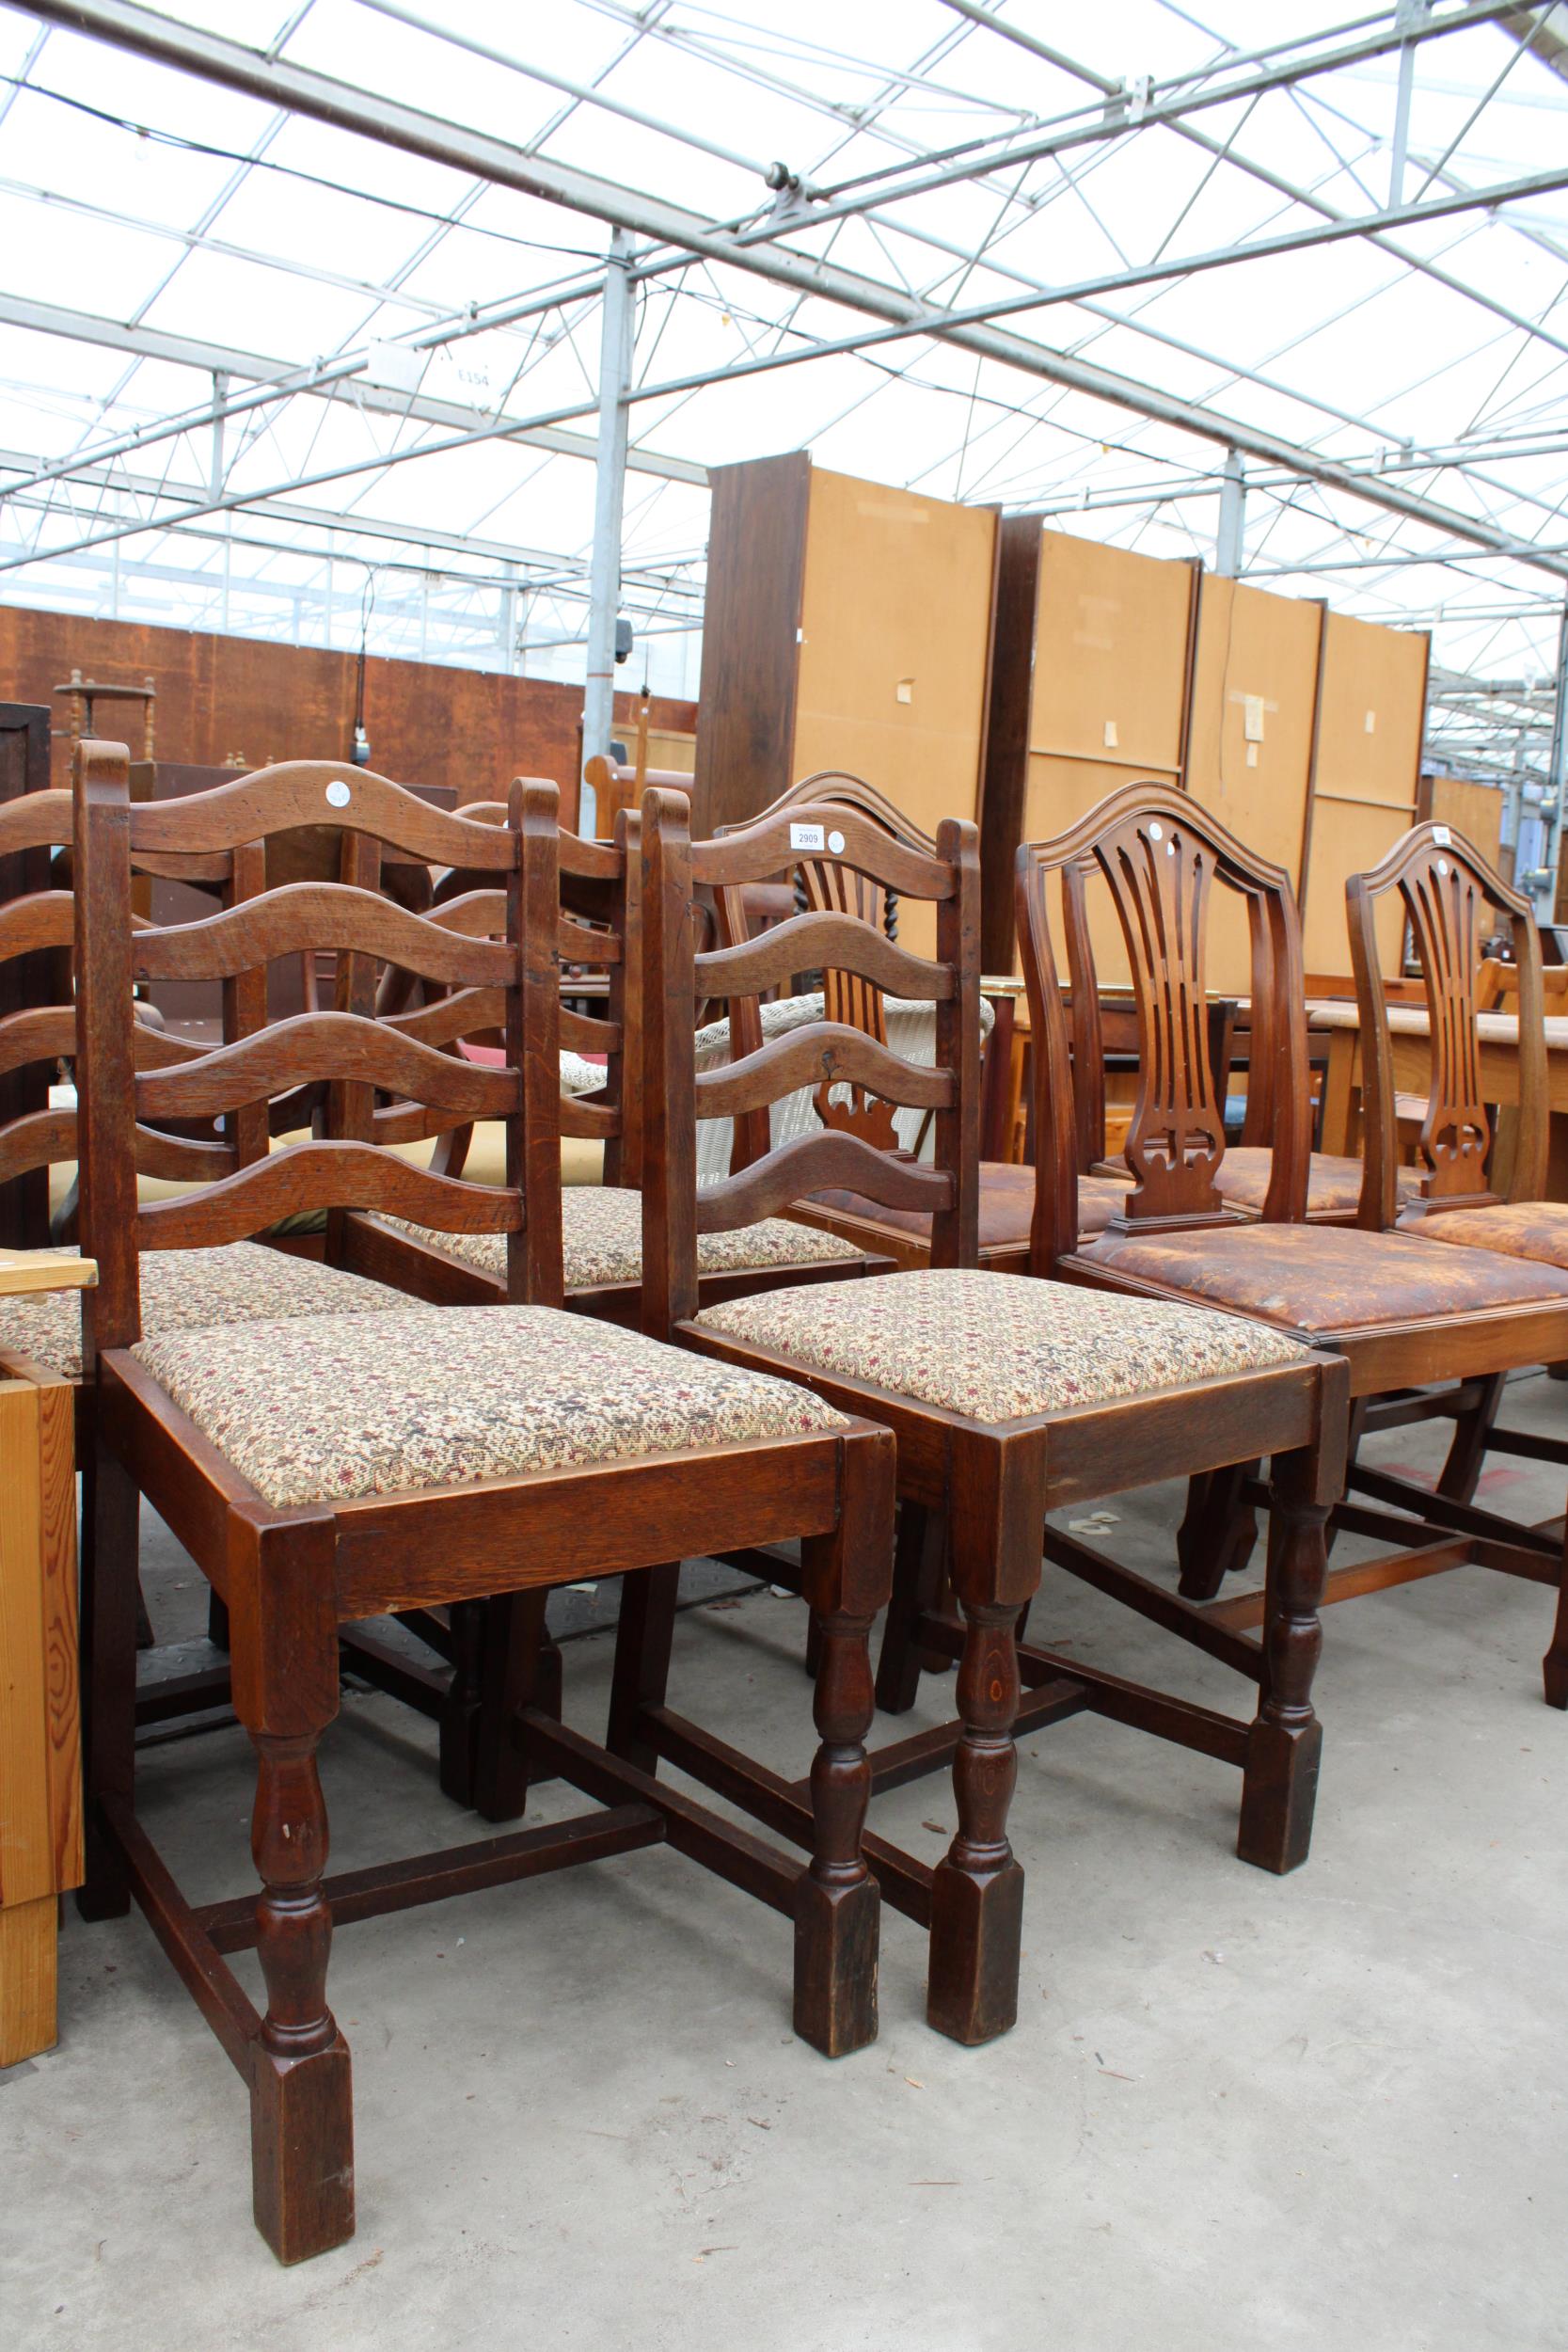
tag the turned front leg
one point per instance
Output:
(302, 2121)
(978, 1893)
(837, 1903)
(1285, 1744)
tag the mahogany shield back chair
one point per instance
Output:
(1474, 1188)
(315, 1480)
(600, 1225)
(1403, 1310)
(1009, 1397)
(1006, 1188)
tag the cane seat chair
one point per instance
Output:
(1475, 1189)
(1405, 1312)
(1007, 1193)
(1007, 1397)
(315, 1480)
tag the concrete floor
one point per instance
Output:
(1236, 2111)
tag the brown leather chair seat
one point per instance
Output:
(1328, 1277)
(1332, 1184)
(1536, 1229)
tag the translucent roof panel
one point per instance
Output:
(269, 371)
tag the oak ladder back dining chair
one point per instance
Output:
(316, 1480)
(1009, 1397)
(1404, 1313)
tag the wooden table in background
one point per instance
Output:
(40, 1778)
(1409, 1038)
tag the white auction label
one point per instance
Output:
(1443, 838)
(807, 837)
(339, 794)
(836, 843)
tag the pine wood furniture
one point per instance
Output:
(1404, 1313)
(316, 1480)
(24, 1087)
(41, 1777)
(1410, 1067)
(1009, 1397)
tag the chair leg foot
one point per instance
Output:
(978, 1890)
(302, 2150)
(977, 1939)
(1280, 1788)
(836, 1934)
(106, 1890)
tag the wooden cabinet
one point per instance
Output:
(847, 626)
(40, 1778)
(1365, 768)
(1089, 690)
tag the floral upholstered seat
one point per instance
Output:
(192, 1290)
(307, 1412)
(1514, 1229)
(998, 1346)
(602, 1243)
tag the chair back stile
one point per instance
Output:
(825, 1053)
(1161, 857)
(346, 1051)
(1446, 886)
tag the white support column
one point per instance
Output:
(1408, 14)
(1545, 905)
(603, 580)
(1228, 539)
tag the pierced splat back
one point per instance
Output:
(1161, 857)
(1451, 896)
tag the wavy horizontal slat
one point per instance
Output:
(826, 1052)
(184, 1159)
(334, 1045)
(312, 1176)
(218, 865)
(478, 915)
(36, 1139)
(43, 918)
(306, 915)
(832, 1160)
(763, 852)
(580, 1115)
(44, 1033)
(585, 1033)
(34, 820)
(579, 944)
(295, 792)
(158, 1049)
(588, 861)
(820, 943)
(464, 1013)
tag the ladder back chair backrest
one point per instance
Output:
(825, 883)
(827, 1053)
(1446, 888)
(355, 1057)
(37, 930)
(1161, 857)
(594, 885)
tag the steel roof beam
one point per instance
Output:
(286, 380)
(278, 82)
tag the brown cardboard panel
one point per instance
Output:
(1110, 654)
(1255, 684)
(1373, 709)
(1476, 810)
(1348, 838)
(895, 626)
